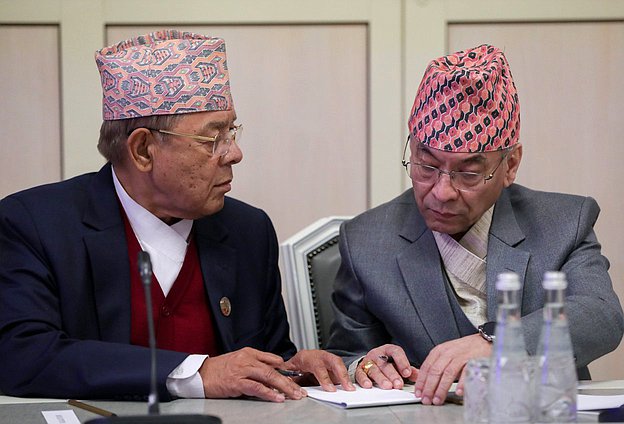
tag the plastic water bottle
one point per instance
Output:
(509, 385)
(555, 382)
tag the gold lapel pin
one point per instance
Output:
(226, 306)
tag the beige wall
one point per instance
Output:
(30, 154)
(328, 138)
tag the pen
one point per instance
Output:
(386, 358)
(91, 408)
(390, 360)
(289, 373)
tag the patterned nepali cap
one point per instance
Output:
(165, 72)
(467, 102)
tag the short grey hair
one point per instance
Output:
(113, 134)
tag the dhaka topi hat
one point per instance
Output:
(162, 73)
(467, 102)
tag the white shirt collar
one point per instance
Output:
(165, 244)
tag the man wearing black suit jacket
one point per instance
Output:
(70, 322)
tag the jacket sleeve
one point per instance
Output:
(594, 312)
(355, 330)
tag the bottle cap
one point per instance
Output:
(508, 281)
(555, 280)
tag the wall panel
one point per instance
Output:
(30, 140)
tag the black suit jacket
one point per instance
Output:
(65, 291)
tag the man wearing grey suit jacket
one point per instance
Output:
(417, 274)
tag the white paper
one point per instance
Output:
(6, 400)
(606, 385)
(363, 397)
(591, 402)
(66, 416)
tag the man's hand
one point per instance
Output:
(248, 372)
(444, 364)
(327, 368)
(387, 373)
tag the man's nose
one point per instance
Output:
(234, 155)
(443, 188)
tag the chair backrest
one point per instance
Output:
(309, 261)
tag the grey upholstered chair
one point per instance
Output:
(309, 261)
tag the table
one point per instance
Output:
(234, 411)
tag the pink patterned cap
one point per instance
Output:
(467, 102)
(162, 73)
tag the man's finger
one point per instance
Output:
(269, 377)
(434, 375)
(323, 378)
(446, 380)
(459, 390)
(375, 374)
(392, 374)
(341, 376)
(395, 355)
(423, 373)
(259, 390)
(362, 379)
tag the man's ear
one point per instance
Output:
(139, 145)
(513, 163)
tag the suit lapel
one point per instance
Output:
(424, 280)
(108, 255)
(505, 235)
(218, 265)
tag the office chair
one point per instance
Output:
(309, 261)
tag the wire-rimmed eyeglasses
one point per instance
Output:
(218, 145)
(460, 180)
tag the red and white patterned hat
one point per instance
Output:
(467, 102)
(165, 72)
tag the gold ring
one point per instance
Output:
(367, 366)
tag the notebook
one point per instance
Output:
(361, 397)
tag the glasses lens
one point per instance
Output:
(225, 139)
(238, 131)
(426, 174)
(423, 173)
(467, 181)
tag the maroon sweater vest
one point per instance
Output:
(183, 321)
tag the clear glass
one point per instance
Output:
(218, 145)
(509, 385)
(476, 390)
(556, 383)
(423, 173)
(427, 174)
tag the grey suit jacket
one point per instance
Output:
(391, 286)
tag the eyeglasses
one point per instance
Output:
(218, 145)
(460, 180)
